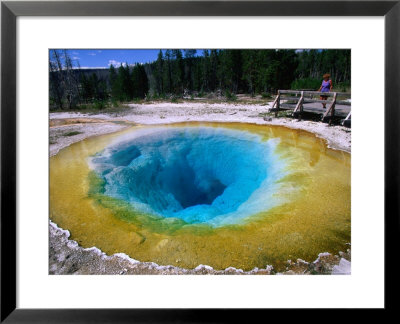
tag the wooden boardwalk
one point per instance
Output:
(338, 105)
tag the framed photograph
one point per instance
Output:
(164, 158)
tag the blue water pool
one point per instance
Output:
(216, 176)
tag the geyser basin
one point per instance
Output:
(205, 175)
(286, 195)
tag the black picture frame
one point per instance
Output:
(9, 13)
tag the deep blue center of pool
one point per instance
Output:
(199, 174)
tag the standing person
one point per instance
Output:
(326, 86)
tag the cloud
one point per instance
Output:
(114, 62)
(99, 51)
(75, 53)
(302, 50)
(118, 64)
(76, 58)
(92, 54)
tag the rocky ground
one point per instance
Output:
(65, 135)
(338, 137)
(67, 257)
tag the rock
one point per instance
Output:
(344, 268)
(263, 272)
(298, 267)
(232, 270)
(325, 263)
(203, 269)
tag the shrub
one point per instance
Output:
(99, 104)
(343, 86)
(230, 96)
(306, 84)
(114, 103)
(266, 95)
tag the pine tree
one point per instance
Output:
(189, 58)
(179, 72)
(168, 56)
(214, 63)
(87, 93)
(250, 69)
(124, 84)
(230, 70)
(114, 84)
(159, 73)
(206, 71)
(140, 81)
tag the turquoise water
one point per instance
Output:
(209, 175)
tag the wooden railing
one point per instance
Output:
(301, 98)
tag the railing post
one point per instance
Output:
(347, 121)
(333, 108)
(299, 107)
(278, 104)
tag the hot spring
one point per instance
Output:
(200, 193)
(199, 175)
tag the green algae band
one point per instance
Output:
(217, 194)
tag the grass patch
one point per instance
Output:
(72, 133)
(266, 95)
(281, 113)
(97, 107)
(176, 99)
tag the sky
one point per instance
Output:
(103, 58)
